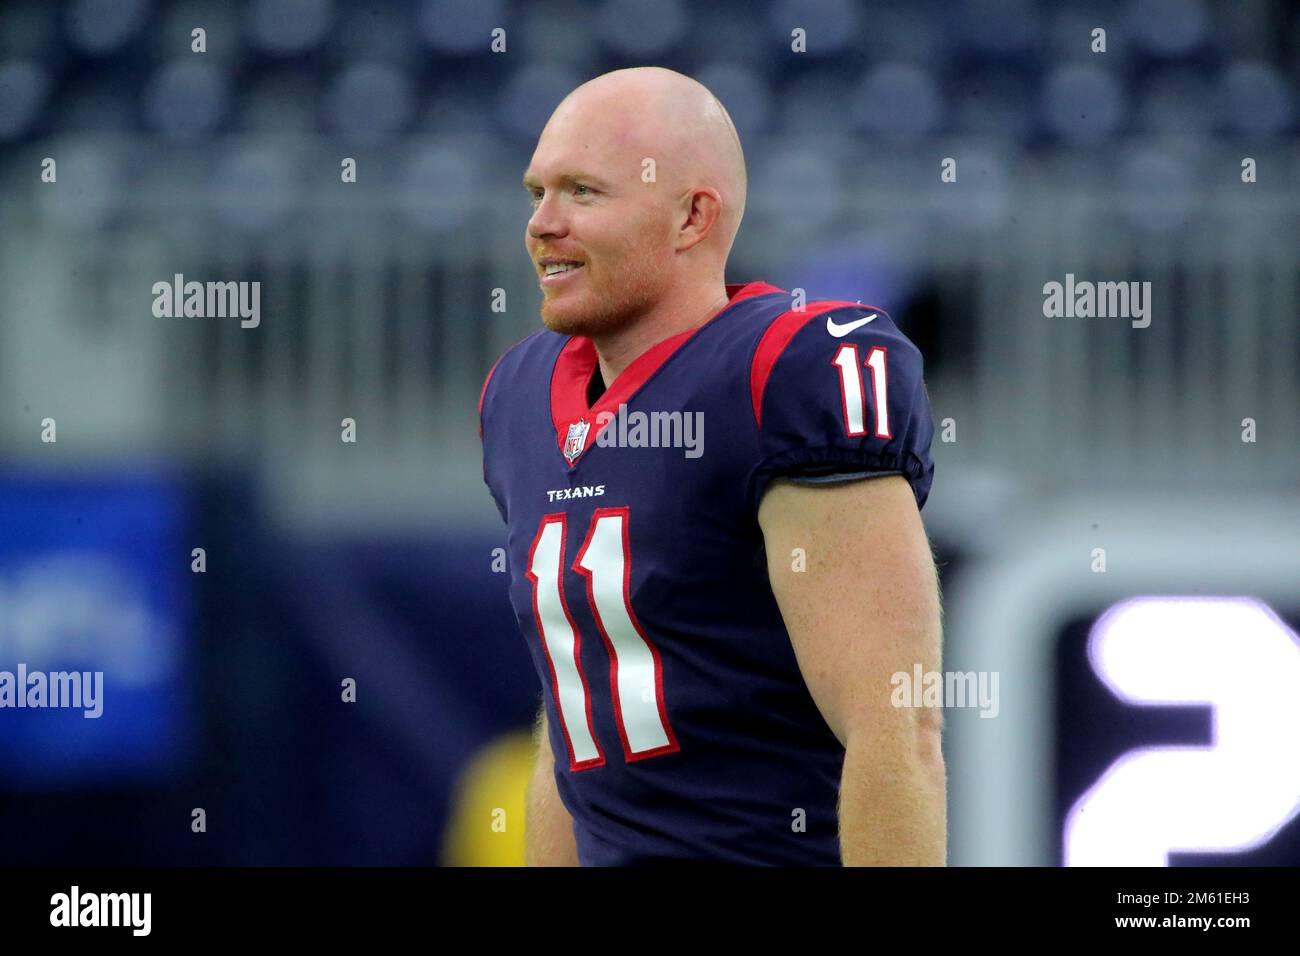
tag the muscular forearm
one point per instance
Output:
(893, 803)
(548, 828)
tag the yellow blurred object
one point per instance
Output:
(485, 826)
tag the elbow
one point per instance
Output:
(929, 744)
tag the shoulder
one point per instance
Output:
(812, 340)
(837, 392)
(533, 355)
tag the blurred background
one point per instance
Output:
(1083, 465)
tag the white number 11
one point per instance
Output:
(635, 671)
(855, 402)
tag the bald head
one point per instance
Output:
(639, 178)
(649, 112)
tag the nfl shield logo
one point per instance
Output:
(575, 440)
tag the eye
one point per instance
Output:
(577, 186)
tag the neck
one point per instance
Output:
(617, 350)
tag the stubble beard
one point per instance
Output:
(611, 305)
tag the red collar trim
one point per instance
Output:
(577, 362)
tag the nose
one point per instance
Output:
(547, 219)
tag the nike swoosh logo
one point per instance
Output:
(839, 331)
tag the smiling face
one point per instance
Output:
(652, 246)
(590, 207)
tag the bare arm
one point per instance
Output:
(548, 827)
(866, 608)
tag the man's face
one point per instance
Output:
(591, 207)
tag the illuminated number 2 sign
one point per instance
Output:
(1237, 656)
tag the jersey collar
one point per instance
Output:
(577, 425)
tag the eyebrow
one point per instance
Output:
(530, 181)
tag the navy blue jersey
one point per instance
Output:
(681, 726)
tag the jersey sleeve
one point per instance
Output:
(839, 394)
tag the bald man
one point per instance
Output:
(717, 627)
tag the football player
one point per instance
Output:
(715, 627)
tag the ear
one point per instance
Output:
(701, 208)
